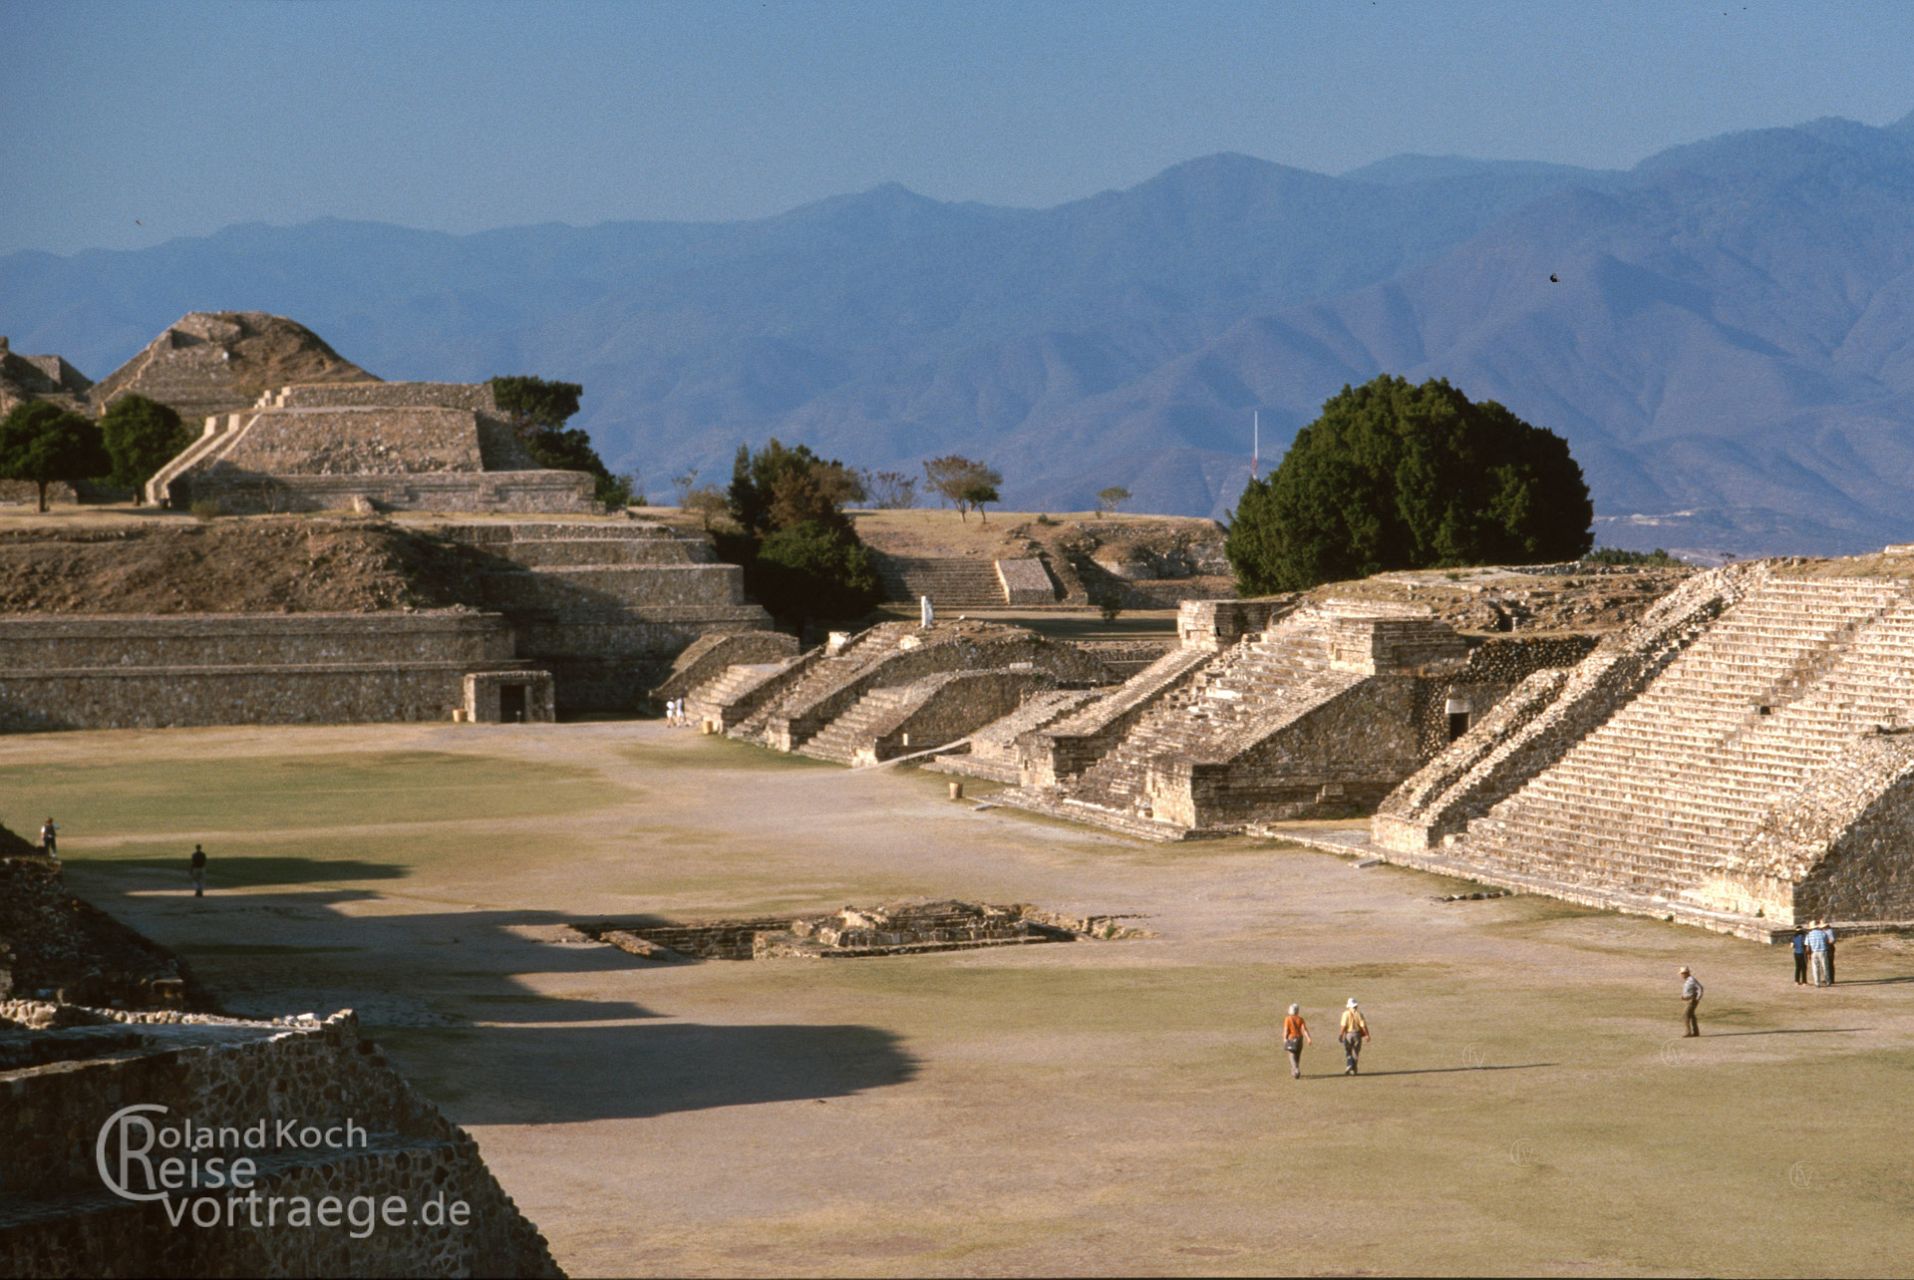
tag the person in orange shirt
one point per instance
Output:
(1295, 1036)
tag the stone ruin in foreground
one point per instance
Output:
(94, 1017)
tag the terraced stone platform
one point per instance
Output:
(1743, 757)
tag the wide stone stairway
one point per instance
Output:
(1662, 802)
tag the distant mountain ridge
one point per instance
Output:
(1730, 335)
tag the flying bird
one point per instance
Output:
(1553, 278)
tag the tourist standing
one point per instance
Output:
(1818, 953)
(1827, 931)
(49, 839)
(1295, 1036)
(197, 869)
(1799, 942)
(1690, 998)
(1354, 1030)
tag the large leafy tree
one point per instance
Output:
(46, 444)
(801, 555)
(538, 411)
(140, 436)
(1395, 476)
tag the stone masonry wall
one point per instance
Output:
(58, 1217)
(153, 672)
(507, 492)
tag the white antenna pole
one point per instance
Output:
(1256, 440)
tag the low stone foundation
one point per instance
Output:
(112, 672)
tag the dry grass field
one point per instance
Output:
(1092, 1108)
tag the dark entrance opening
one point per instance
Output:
(511, 703)
(1458, 724)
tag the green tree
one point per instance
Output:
(538, 411)
(814, 570)
(1394, 476)
(1112, 498)
(46, 444)
(801, 554)
(962, 482)
(779, 487)
(140, 437)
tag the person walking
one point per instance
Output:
(1818, 953)
(1690, 998)
(1354, 1030)
(1295, 1036)
(1799, 942)
(198, 871)
(50, 839)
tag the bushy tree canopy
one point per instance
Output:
(538, 411)
(802, 557)
(1394, 476)
(46, 444)
(962, 482)
(140, 436)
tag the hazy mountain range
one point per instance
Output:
(1728, 344)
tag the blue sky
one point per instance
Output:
(127, 124)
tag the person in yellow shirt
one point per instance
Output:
(1355, 1030)
(1295, 1036)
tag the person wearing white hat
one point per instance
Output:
(1355, 1030)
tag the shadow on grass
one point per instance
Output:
(247, 871)
(1442, 1071)
(1872, 982)
(541, 1076)
(1787, 1031)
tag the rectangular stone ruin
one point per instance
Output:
(509, 697)
(895, 929)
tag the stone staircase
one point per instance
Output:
(1250, 691)
(952, 583)
(1662, 800)
(606, 605)
(826, 674)
(728, 698)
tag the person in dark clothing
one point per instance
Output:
(1800, 944)
(49, 839)
(199, 872)
(1829, 930)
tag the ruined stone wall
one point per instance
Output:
(507, 492)
(155, 672)
(1841, 849)
(1339, 758)
(1026, 582)
(1217, 624)
(475, 397)
(958, 705)
(60, 1219)
(1067, 748)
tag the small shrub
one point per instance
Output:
(1045, 520)
(1656, 559)
(205, 509)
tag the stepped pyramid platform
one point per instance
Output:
(800, 700)
(368, 445)
(607, 605)
(1741, 758)
(1272, 710)
(925, 713)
